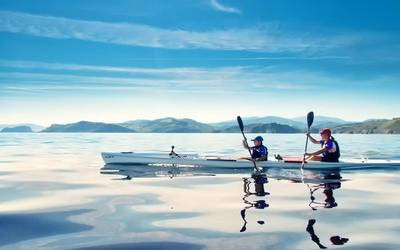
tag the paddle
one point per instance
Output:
(310, 120)
(240, 122)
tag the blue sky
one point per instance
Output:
(64, 61)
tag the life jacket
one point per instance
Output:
(333, 155)
(259, 151)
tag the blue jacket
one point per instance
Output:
(259, 151)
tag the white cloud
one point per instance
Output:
(62, 77)
(42, 76)
(268, 38)
(218, 6)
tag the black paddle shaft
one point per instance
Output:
(240, 122)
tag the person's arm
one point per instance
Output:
(312, 139)
(246, 146)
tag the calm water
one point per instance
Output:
(54, 194)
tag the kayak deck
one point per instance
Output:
(129, 158)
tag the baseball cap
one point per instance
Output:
(258, 138)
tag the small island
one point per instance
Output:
(17, 129)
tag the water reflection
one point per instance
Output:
(321, 186)
(335, 240)
(259, 180)
(202, 211)
(139, 171)
(331, 181)
(314, 237)
(165, 245)
(17, 227)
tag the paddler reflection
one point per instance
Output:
(259, 179)
(331, 181)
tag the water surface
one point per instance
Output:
(55, 195)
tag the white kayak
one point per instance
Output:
(130, 158)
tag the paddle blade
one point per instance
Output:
(310, 118)
(240, 122)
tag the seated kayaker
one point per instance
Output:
(259, 152)
(329, 151)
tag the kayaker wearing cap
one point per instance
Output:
(329, 151)
(259, 152)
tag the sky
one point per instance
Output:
(209, 60)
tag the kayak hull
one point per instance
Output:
(129, 158)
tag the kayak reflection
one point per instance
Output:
(140, 171)
(258, 179)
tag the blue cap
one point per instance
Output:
(258, 138)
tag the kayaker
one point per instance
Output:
(259, 152)
(329, 151)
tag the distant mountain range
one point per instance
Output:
(267, 124)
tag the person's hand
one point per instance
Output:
(308, 133)
(244, 144)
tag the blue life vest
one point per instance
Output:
(259, 151)
(331, 156)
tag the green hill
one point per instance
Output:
(169, 125)
(87, 127)
(370, 127)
